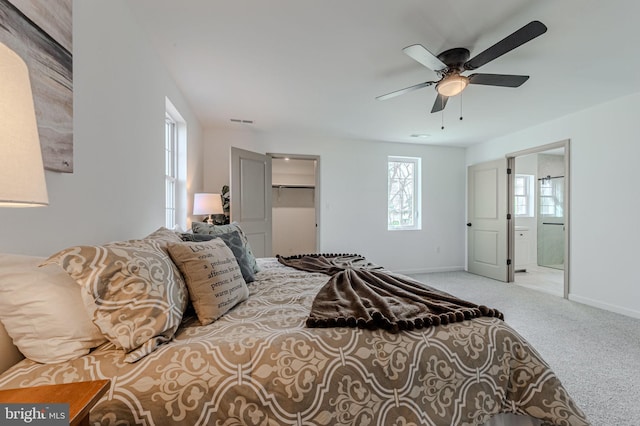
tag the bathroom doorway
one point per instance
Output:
(539, 231)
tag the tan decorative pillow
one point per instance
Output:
(213, 277)
(164, 236)
(132, 291)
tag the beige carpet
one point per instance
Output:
(595, 353)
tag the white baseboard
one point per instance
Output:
(606, 306)
(430, 270)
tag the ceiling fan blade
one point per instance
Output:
(405, 90)
(419, 53)
(440, 103)
(530, 31)
(504, 80)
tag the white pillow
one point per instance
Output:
(43, 311)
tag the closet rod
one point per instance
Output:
(293, 186)
(550, 177)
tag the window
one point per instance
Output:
(403, 193)
(175, 166)
(523, 191)
(551, 196)
(170, 170)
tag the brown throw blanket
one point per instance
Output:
(361, 294)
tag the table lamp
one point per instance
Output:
(22, 182)
(209, 204)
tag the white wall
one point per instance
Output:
(604, 203)
(294, 221)
(353, 184)
(117, 188)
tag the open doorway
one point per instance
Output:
(295, 204)
(539, 233)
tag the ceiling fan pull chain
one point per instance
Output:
(442, 120)
(460, 106)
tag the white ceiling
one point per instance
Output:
(317, 66)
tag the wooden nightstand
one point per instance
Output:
(80, 396)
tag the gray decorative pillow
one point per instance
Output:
(235, 243)
(205, 228)
(213, 277)
(132, 291)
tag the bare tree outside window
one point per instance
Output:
(403, 193)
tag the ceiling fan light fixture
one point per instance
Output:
(452, 85)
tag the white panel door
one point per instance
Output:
(487, 219)
(250, 204)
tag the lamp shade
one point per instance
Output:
(452, 85)
(205, 203)
(22, 182)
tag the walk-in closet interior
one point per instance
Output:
(294, 202)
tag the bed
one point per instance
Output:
(260, 364)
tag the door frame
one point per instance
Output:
(317, 202)
(511, 161)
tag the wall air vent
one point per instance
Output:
(237, 120)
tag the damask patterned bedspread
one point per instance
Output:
(260, 365)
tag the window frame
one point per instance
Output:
(171, 170)
(415, 205)
(528, 196)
